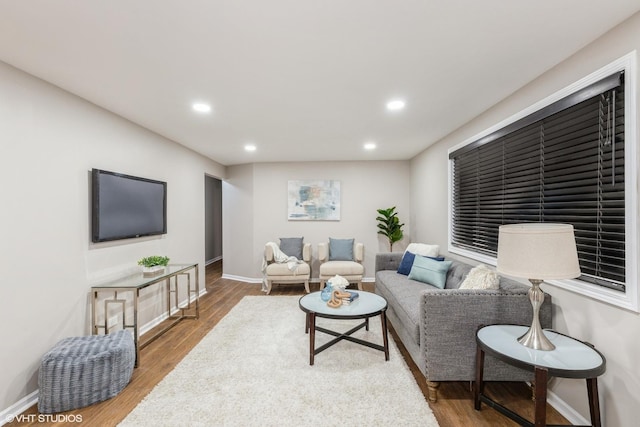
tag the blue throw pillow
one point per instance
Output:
(292, 246)
(407, 262)
(430, 271)
(341, 249)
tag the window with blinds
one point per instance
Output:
(564, 164)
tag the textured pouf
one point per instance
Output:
(80, 371)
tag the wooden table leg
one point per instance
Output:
(478, 386)
(594, 402)
(385, 338)
(541, 376)
(312, 336)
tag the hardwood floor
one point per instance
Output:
(453, 409)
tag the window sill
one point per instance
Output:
(625, 300)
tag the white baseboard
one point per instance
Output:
(242, 278)
(565, 410)
(9, 414)
(211, 261)
(155, 322)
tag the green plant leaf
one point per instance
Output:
(389, 225)
(153, 260)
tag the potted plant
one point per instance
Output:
(153, 264)
(389, 225)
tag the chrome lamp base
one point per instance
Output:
(535, 338)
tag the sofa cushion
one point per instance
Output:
(430, 271)
(343, 268)
(341, 249)
(403, 295)
(292, 246)
(481, 277)
(456, 274)
(282, 269)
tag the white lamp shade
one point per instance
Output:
(538, 251)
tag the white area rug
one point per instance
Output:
(253, 369)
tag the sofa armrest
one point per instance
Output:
(323, 252)
(449, 320)
(268, 253)
(306, 252)
(388, 260)
(358, 252)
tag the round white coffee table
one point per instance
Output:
(365, 306)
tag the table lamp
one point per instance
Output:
(537, 251)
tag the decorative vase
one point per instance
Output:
(325, 294)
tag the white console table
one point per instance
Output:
(135, 283)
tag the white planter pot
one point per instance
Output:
(152, 271)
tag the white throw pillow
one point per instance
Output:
(481, 277)
(423, 249)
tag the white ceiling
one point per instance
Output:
(302, 79)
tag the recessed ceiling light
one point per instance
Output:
(395, 105)
(250, 147)
(201, 107)
(370, 145)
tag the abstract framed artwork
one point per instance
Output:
(313, 200)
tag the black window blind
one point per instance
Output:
(564, 163)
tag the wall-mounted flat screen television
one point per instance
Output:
(125, 206)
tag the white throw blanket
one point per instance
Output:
(280, 258)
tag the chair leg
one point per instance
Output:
(359, 285)
(268, 287)
(322, 282)
(306, 285)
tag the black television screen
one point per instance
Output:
(125, 206)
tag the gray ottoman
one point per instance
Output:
(80, 371)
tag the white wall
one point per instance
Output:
(237, 221)
(612, 330)
(50, 141)
(261, 214)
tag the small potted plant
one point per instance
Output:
(153, 265)
(389, 225)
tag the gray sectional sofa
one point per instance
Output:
(438, 326)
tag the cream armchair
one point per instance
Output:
(287, 272)
(346, 260)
